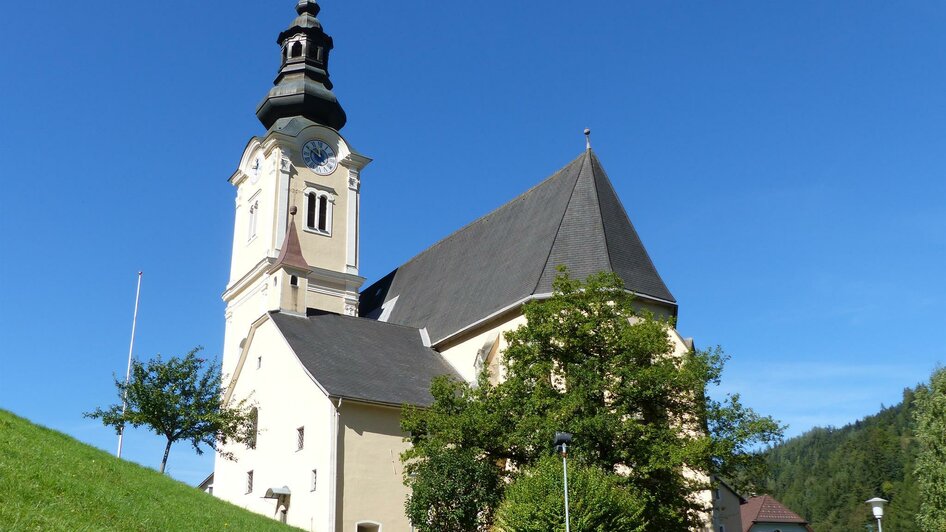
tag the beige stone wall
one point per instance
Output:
(726, 509)
(371, 486)
(320, 250)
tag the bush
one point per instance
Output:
(454, 489)
(534, 502)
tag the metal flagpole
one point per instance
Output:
(131, 348)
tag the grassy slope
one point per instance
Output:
(49, 481)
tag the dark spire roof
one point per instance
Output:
(302, 87)
(573, 218)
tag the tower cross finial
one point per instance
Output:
(587, 139)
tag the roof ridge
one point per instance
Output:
(604, 229)
(490, 213)
(571, 195)
(604, 176)
(346, 316)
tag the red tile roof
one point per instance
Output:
(765, 509)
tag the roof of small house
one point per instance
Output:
(765, 509)
(364, 360)
(573, 218)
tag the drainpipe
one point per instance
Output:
(333, 498)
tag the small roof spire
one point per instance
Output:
(291, 252)
(587, 139)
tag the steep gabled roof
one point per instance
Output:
(362, 359)
(573, 218)
(765, 509)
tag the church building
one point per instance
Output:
(329, 362)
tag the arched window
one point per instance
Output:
(318, 215)
(323, 212)
(368, 526)
(254, 213)
(296, 49)
(254, 428)
(311, 207)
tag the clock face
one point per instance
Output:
(319, 157)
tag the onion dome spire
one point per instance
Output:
(302, 87)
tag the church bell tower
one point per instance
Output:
(295, 238)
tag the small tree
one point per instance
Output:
(462, 498)
(931, 461)
(534, 502)
(179, 399)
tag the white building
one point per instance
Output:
(329, 364)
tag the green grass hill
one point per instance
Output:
(50, 481)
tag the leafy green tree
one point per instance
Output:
(588, 362)
(826, 474)
(465, 498)
(931, 461)
(534, 502)
(179, 399)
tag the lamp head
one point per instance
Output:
(877, 506)
(562, 437)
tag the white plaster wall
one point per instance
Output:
(287, 399)
(244, 309)
(262, 188)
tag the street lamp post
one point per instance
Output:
(877, 507)
(562, 440)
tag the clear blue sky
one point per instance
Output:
(784, 163)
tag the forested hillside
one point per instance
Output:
(826, 474)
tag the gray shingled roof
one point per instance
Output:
(573, 218)
(363, 359)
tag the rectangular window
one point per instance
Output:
(315, 477)
(259, 362)
(300, 438)
(249, 481)
(254, 211)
